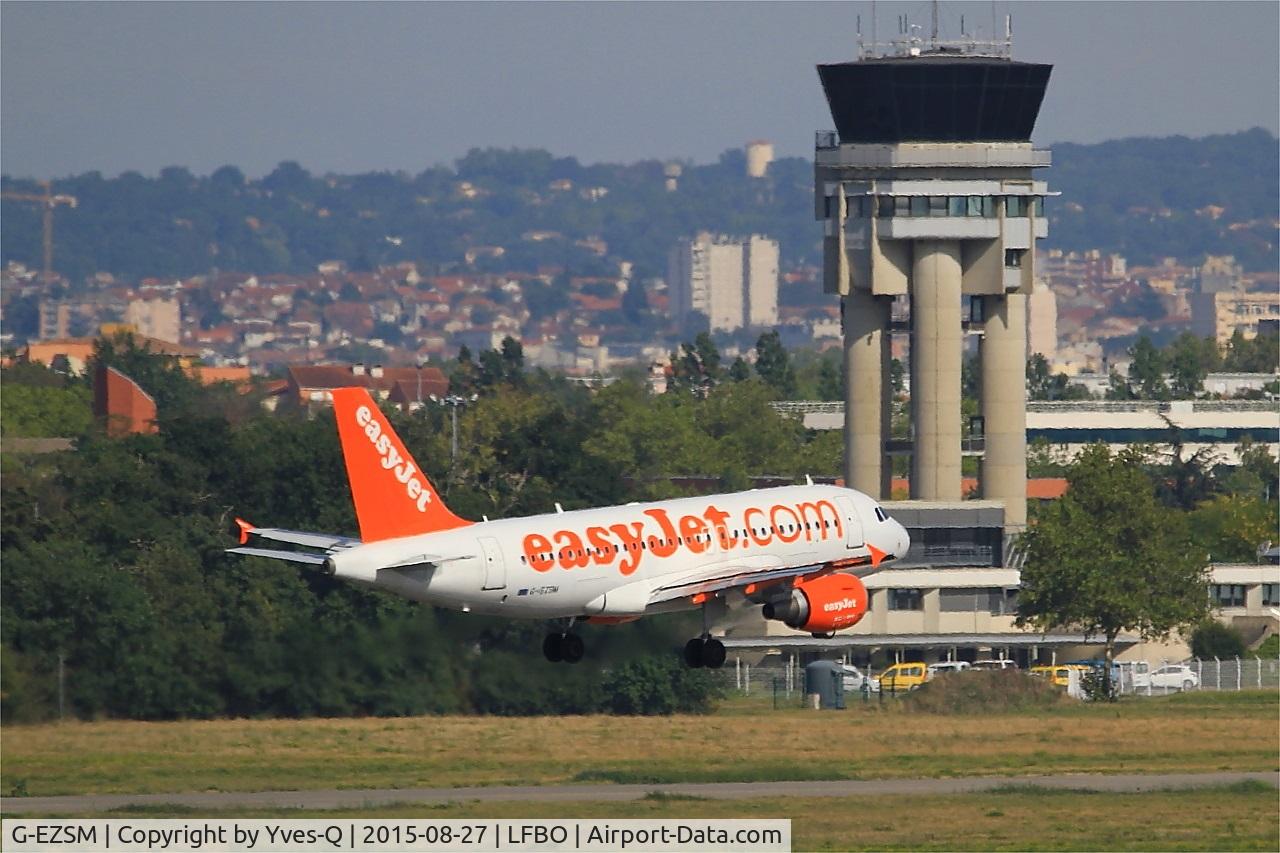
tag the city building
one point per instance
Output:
(160, 319)
(1220, 314)
(1042, 322)
(1218, 274)
(731, 283)
(940, 613)
(407, 387)
(759, 156)
(121, 404)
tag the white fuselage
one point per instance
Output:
(567, 564)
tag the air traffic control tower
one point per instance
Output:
(928, 191)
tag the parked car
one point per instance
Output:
(1172, 676)
(904, 676)
(994, 664)
(855, 679)
(1059, 675)
(945, 667)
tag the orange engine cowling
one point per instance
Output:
(822, 605)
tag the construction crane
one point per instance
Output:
(47, 201)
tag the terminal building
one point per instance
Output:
(1215, 426)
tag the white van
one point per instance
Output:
(946, 667)
(994, 664)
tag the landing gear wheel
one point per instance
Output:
(552, 649)
(713, 654)
(572, 648)
(693, 653)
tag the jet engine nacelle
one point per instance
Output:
(825, 604)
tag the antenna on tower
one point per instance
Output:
(933, 41)
(873, 26)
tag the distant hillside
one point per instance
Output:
(1139, 197)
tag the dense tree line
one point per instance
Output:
(1178, 371)
(113, 553)
(180, 224)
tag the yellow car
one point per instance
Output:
(903, 676)
(1058, 675)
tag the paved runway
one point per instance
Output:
(356, 798)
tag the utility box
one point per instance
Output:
(825, 679)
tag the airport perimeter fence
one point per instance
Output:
(1231, 674)
(783, 684)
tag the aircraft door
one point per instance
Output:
(852, 523)
(495, 570)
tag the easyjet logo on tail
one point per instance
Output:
(392, 494)
(392, 460)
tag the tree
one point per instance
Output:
(1260, 354)
(739, 371)
(1118, 388)
(1107, 557)
(1146, 370)
(1039, 381)
(1212, 639)
(830, 384)
(1043, 385)
(697, 365)
(1190, 359)
(774, 365)
(512, 357)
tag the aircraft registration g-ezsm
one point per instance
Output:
(795, 551)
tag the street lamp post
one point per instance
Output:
(454, 401)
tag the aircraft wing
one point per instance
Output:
(719, 577)
(746, 574)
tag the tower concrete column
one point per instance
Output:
(937, 350)
(867, 390)
(1004, 404)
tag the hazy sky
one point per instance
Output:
(358, 87)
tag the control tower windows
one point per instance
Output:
(1021, 205)
(918, 206)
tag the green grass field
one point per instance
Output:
(1197, 732)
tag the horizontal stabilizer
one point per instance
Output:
(291, 556)
(294, 537)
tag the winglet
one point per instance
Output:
(245, 529)
(877, 556)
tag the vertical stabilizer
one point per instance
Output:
(392, 495)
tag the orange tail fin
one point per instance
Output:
(393, 496)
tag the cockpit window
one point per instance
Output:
(880, 515)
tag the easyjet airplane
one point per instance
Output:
(795, 551)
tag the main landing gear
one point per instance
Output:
(704, 651)
(563, 647)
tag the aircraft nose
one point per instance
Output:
(904, 540)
